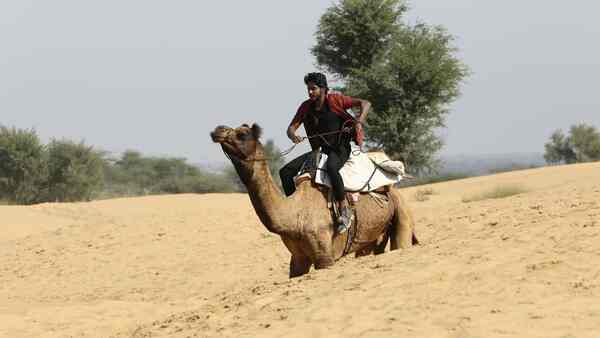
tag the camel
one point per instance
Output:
(303, 220)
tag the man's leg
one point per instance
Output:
(335, 162)
(289, 171)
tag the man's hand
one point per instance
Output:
(295, 138)
(291, 133)
(359, 129)
(358, 126)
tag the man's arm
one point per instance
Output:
(364, 109)
(361, 118)
(291, 131)
(295, 124)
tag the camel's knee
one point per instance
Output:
(364, 251)
(322, 252)
(324, 262)
(299, 266)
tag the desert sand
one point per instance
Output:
(527, 265)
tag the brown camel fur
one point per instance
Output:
(303, 220)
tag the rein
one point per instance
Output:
(304, 138)
(245, 160)
(290, 149)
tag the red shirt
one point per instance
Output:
(338, 104)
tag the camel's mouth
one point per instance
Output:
(219, 135)
(222, 135)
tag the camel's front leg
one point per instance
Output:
(323, 250)
(300, 262)
(299, 265)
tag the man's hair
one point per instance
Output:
(317, 78)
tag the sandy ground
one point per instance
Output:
(204, 266)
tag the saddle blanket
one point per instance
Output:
(364, 172)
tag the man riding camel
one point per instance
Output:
(329, 127)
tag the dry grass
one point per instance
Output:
(498, 192)
(422, 195)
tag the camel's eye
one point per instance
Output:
(242, 136)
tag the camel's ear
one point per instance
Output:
(256, 131)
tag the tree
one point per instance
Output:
(75, 171)
(136, 170)
(410, 75)
(581, 145)
(559, 149)
(175, 176)
(23, 171)
(585, 140)
(355, 33)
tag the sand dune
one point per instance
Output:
(203, 266)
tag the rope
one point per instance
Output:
(304, 138)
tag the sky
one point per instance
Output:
(157, 76)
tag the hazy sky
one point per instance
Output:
(158, 76)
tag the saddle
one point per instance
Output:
(313, 169)
(362, 172)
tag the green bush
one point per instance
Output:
(209, 183)
(66, 171)
(23, 170)
(75, 171)
(582, 144)
(134, 174)
(205, 183)
(132, 168)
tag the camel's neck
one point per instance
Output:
(270, 205)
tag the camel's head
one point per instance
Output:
(239, 143)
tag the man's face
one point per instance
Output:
(314, 91)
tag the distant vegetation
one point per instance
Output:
(67, 171)
(133, 174)
(498, 192)
(582, 144)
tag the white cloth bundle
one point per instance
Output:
(364, 171)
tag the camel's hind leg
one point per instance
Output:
(381, 243)
(402, 229)
(376, 248)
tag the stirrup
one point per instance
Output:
(345, 219)
(341, 228)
